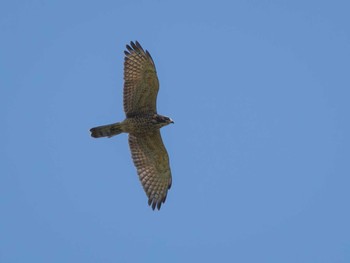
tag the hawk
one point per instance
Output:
(143, 124)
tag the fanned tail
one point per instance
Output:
(106, 130)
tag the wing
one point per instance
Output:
(141, 83)
(152, 163)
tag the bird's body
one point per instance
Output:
(138, 125)
(142, 123)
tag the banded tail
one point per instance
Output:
(106, 130)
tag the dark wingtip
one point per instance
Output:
(133, 45)
(149, 55)
(138, 45)
(154, 203)
(170, 183)
(129, 48)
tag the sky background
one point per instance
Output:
(260, 150)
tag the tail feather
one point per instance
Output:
(106, 130)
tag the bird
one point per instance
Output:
(143, 124)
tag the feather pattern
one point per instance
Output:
(152, 163)
(141, 83)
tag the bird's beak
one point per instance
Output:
(171, 121)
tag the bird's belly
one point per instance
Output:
(139, 125)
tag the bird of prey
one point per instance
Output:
(143, 124)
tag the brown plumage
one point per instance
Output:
(143, 124)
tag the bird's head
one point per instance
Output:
(160, 120)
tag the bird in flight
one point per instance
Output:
(143, 124)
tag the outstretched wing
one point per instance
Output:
(141, 83)
(152, 163)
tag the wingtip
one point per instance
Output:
(129, 48)
(155, 204)
(138, 45)
(133, 45)
(170, 183)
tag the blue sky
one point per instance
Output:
(259, 92)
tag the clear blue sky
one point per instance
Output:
(260, 95)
